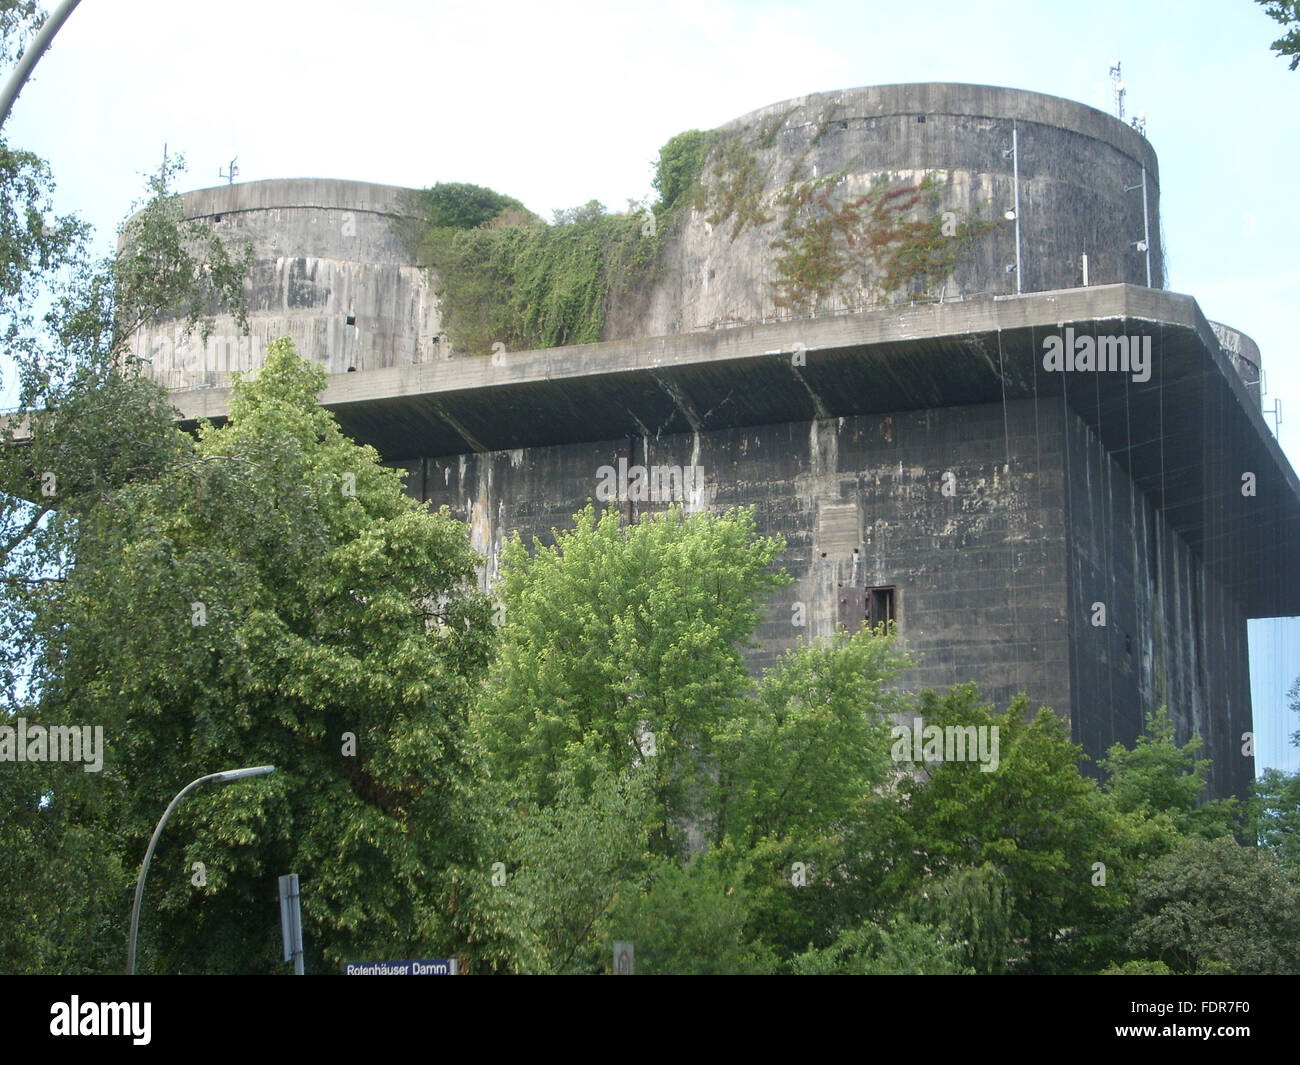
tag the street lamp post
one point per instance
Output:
(32, 55)
(228, 775)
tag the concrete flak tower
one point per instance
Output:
(845, 330)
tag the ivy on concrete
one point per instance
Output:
(503, 276)
(677, 174)
(738, 181)
(893, 239)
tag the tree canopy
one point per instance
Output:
(84, 424)
(273, 597)
(1287, 14)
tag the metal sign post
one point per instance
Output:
(291, 921)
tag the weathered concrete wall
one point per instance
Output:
(1075, 165)
(860, 501)
(330, 271)
(1245, 357)
(1172, 636)
(995, 582)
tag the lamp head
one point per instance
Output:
(239, 774)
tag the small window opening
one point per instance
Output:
(352, 319)
(880, 606)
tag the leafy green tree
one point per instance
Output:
(1158, 776)
(677, 173)
(60, 874)
(1275, 807)
(590, 211)
(624, 643)
(276, 598)
(1287, 14)
(1138, 968)
(801, 767)
(1294, 696)
(563, 865)
(900, 947)
(456, 205)
(689, 920)
(1277, 814)
(1035, 818)
(19, 19)
(83, 425)
(975, 907)
(802, 755)
(1214, 906)
(86, 422)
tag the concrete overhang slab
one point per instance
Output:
(1186, 432)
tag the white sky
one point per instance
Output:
(560, 102)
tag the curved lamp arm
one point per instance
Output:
(230, 774)
(32, 56)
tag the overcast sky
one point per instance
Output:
(561, 102)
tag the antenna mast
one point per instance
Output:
(1118, 84)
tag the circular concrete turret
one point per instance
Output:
(1080, 193)
(330, 270)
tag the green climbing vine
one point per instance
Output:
(892, 238)
(767, 135)
(506, 277)
(738, 182)
(677, 173)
